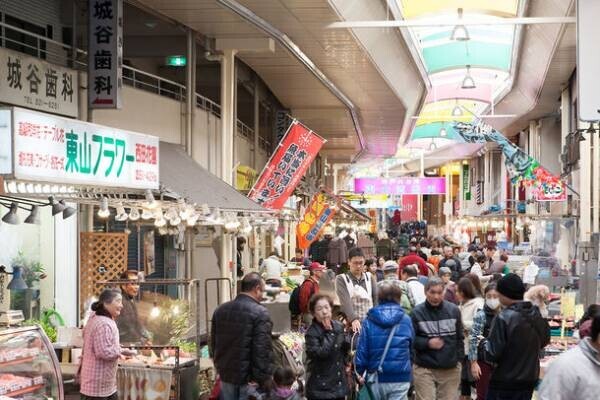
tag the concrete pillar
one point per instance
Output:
(585, 176)
(190, 84)
(228, 86)
(256, 126)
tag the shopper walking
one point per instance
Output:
(101, 349)
(240, 340)
(308, 288)
(412, 258)
(518, 334)
(452, 262)
(356, 290)
(390, 269)
(380, 272)
(470, 304)
(445, 275)
(326, 351)
(482, 323)
(415, 288)
(438, 346)
(385, 344)
(575, 375)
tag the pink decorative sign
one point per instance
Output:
(395, 186)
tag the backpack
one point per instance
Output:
(294, 304)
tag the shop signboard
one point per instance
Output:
(287, 166)
(245, 177)
(105, 54)
(551, 190)
(5, 142)
(318, 214)
(53, 149)
(400, 186)
(33, 83)
(466, 183)
(408, 208)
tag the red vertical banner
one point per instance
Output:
(286, 167)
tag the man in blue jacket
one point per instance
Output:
(393, 379)
(439, 346)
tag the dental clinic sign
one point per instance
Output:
(60, 150)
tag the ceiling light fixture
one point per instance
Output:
(457, 110)
(104, 212)
(56, 206)
(460, 31)
(443, 132)
(151, 203)
(468, 81)
(121, 214)
(11, 216)
(68, 211)
(134, 214)
(34, 216)
(432, 146)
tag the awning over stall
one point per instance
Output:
(181, 176)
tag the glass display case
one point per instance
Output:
(29, 368)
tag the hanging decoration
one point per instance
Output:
(320, 212)
(521, 167)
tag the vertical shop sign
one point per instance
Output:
(30, 82)
(66, 151)
(282, 122)
(466, 183)
(318, 214)
(105, 53)
(287, 166)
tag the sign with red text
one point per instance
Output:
(287, 166)
(318, 214)
(105, 54)
(60, 150)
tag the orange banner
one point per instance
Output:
(318, 214)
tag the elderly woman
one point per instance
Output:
(384, 345)
(101, 349)
(326, 351)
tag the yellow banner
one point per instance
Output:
(245, 177)
(318, 214)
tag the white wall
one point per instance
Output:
(147, 113)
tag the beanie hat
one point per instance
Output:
(511, 286)
(390, 265)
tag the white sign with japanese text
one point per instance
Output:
(33, 83)
(105, 54)
(66, 151)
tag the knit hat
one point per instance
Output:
(390, 265)
(444, 271)
(511, 286)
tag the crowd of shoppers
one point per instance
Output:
(469, 330)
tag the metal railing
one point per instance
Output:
(245, 131)
(62, 54)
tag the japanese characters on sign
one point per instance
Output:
(30, 82)
(400, 186)
(466, 183)
(105, 54)
(318, 214)
(61, 150)
(287, 165)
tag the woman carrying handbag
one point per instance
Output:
(383, 355)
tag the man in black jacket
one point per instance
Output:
(438, 345)
(517, 335)
(241, 341)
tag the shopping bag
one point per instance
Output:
(216, 390)
(365, 393)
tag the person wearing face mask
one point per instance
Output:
(326, 350)
(575, 375)
(517, 335)
(482, 323)
(470, 303)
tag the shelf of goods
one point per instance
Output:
(28, 365)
